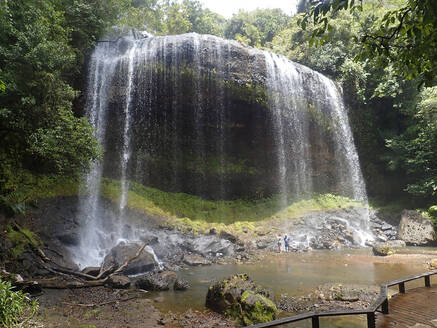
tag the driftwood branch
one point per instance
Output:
(126, 263)
(74, 273)
(81, 280)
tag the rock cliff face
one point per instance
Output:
(201, 115)
(205, 116)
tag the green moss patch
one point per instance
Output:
(198, 213)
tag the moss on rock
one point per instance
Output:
(242, 299)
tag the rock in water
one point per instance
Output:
(242, 299)
(119, 254)
(157, 281)
(388, 248)
(181, 284)
(415, 229)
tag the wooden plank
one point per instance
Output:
(419, 305)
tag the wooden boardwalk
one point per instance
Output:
(416, 306)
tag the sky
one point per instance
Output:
(229, 7)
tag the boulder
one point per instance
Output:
(388, 248)
(123, 251)
(181, 284)
(210, 245)
(415, 229)
(228, 236)
(118, 282)
(156, 281)
(242, 299)
(263, 243)
(382, 249)
(195, 260)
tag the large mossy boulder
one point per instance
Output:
(242, 299)
(382, 249)
(388, 248)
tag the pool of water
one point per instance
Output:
(297, 274)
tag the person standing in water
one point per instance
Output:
(286, 243)
(278, 237)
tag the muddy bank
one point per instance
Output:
(103, 307)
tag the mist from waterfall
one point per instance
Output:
(166, 102)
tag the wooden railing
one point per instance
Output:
(379, 305)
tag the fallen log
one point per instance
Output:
(81, 280)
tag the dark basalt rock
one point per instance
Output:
(181, 284)
(156, 281)
(118, 282)
(201, 100)
(119, 254)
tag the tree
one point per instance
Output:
(405, 36)
(42, 46)
(256, 28)
(415, 149)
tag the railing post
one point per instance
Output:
(384, 306)
(427, 281)
(315, 321)
(402, 288)
(371, 323)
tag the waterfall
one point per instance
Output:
(126, 130)
(91, 244)
(201, 115)
(290, 98)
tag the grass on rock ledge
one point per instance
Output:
(180, 208)
(193, 208)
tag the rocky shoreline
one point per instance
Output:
(55, 222)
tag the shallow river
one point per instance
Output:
(297, 274)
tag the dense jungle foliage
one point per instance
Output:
(380, 52)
